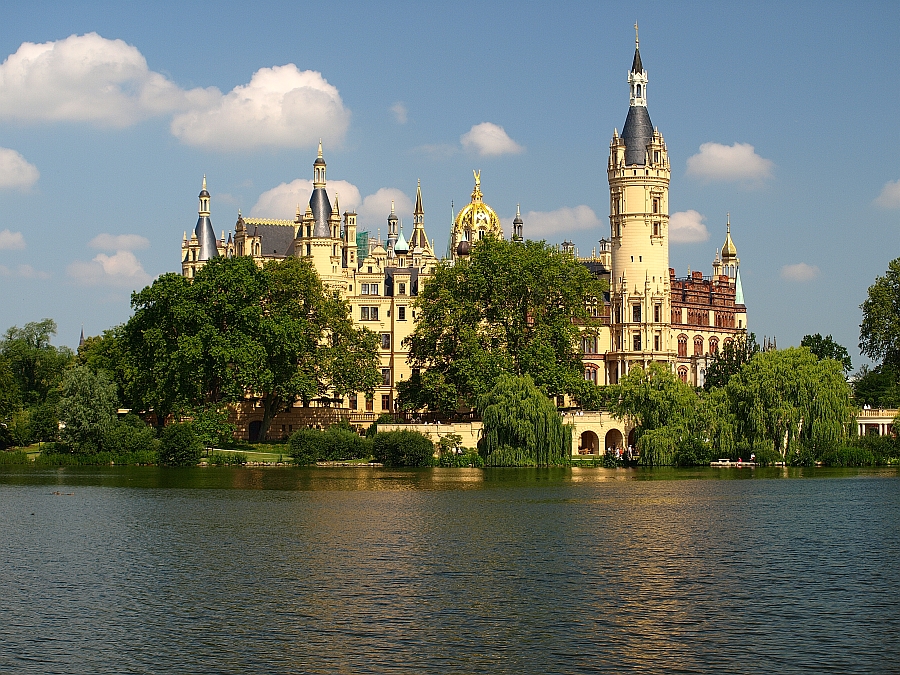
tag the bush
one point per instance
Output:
(9, 458)
(848, 456)
(125, 438)
(309, 446)
(179, 445)
(403, 448)
(228, 459)
(306, 445)
(462, 460)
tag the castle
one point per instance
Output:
(651, 315)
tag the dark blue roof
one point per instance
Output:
(321, 208)
(637, 134)
(636, 65)
(206, 238)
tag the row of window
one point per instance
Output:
(698, 345)
(370, 403)
(370, 313)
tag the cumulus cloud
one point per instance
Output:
(88, 78)
(687, 227)
(281, 201)
(799, 272)
(375, 209)
(122, 269)
(11, 241)
(489, 140)
(119, 242)
(890, 195)
(15, 171)
(281, 107)
(400, 112)
(23, 272)
(543, 224)
(738, 162)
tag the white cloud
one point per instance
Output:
(11, 241)
(890, 195)
(281, 201)
(400, 112)
(738, 162)
(543, 224)
(88, 78)
(799, 272)
(280, 107)
(375, 209)
(23, 271)
(119, 242)
(489, 140)
(122, 269)
(15, 171)
(687, 227)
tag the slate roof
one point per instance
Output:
(321, 208)
(206, 237)
(637, 134)
(274, 239)
(636, 65)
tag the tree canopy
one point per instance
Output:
(879, 332)
(510, 309)
(237, 329)
(728, 360)
(35, 366)
(827, 348)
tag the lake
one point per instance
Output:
(366, 570)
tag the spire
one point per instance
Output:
(638, 130)
(636, 66)
(319, 204)
(517, 226)
(418, 211)
(320, 147)
(81, 339)
(738, 289)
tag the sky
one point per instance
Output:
(782, 114)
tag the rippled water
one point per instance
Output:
(148, 570)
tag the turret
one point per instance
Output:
(517, 226)
(206, 236)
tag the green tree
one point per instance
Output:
(522, 427)
(105, 352)
(827, 348)
(878, 387)
(10, 398)
(239, 330)
(511, 308)
(403, 448)
(665, 411)
(879, 332)
(36, 365)
(791, 400)
(87, 409)
(728, 360)
(179, 445)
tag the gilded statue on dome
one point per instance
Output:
(474, 222)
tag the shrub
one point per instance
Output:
(8, 458)
(849, 456)
(228, 459)
(179, 445)
(125, 438)
(306, 445)
(403, 448)
(340, 443)
(462, 460)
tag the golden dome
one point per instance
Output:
(476, 220)
(729, 250)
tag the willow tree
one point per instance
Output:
(789, 399)
(512, 308)
(522, 427)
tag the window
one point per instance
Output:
(682, 374)
(655, 229)
(656, 343)
(368, 314)
(370, 404)
(657, 313)
(655, 205)
(369, 289)
(713, 346)
(308, 250)
(385, 340)
(636, 341)
(401, 313)
(386, 376)
(401, 289)
(698, 346)
(682, 345)
(386, 402)
(656, 156)
(636, 313)
(353, 401)
(590, 374)
(370, 269)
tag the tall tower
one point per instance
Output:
(638, 173)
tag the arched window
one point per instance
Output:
(713, 345)
(698, 346)
(682, 345)
(728, 341)
(683, 374)
(638, 90)
(590, 374)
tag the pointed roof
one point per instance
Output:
(81, 339)
(729, 250)
(518, 219)
(636, 65)
(419, 211)
(738, 290)
(401, 246)
(393, 215)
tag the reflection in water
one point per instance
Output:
(337, 570)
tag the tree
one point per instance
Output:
(788, 399)
(179, 445)
(403, 448)
(827, 348)
(522, 427)
(878, 386)
(105, 352)
(239, 330)
(879, 332)
(87, 409)
(511, 308)
(727, 361)
(35, 364)
(664, 409)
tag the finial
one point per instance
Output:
(320, 148)
(418, 182)
(637, 42)
(477, 175)
(239, 213)
(204, 181)
(392, 206)
(728, 223)
(517, 211)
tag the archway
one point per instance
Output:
(613, 440)
(590, 443)
(631, 436)
(255, 428)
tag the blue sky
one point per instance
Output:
(784, 115)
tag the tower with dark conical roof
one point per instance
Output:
(638, 173)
